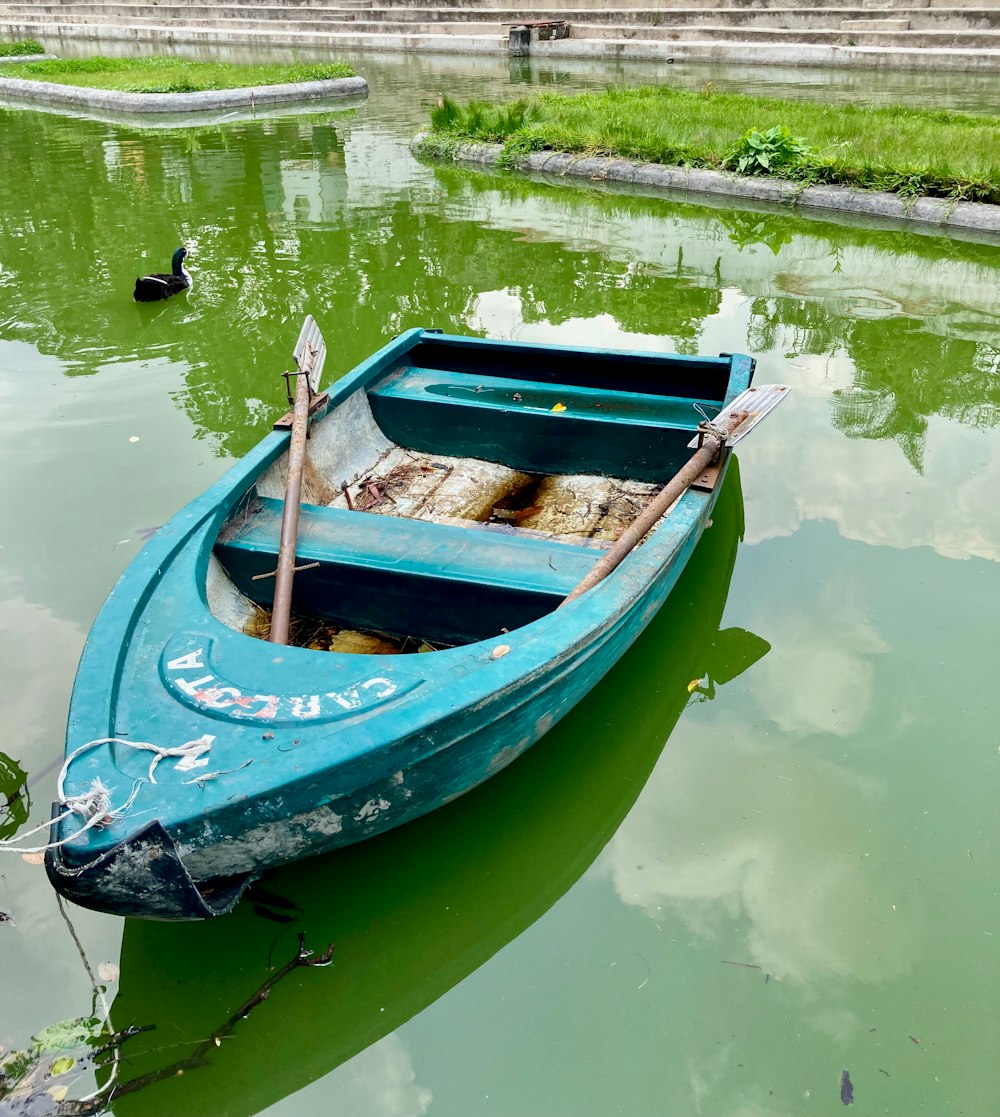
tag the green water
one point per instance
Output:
(564, 942)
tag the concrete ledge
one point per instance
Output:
(26, 58)
(52, 93)
(927, 59)
(874, 25)
(267, 36)
(865, 203)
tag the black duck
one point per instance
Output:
(151, 288)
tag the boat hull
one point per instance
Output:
(309, 751)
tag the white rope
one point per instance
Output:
(94, 805)
(190, 751)
(710, 427)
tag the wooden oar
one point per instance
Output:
(730, 426)
(281, 611)
(309, 353)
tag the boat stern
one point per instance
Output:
(142, 876)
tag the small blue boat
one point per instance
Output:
(455, 493)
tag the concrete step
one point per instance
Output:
(599, 5)
(708, 50)
(961, 34)
(594, 31)
(845, 19)
(719, 52)
(429, 27)
(926, 39)
(750, 7)
(269, 36)
(874, 25)
(662, 5)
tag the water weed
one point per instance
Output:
(23, 46)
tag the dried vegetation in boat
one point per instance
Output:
(572, 508)
(323, 636)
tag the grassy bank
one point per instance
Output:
(906, 151)
(170, 75)
(24, 46)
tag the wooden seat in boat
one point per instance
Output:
(380, 571)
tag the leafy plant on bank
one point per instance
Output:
(767, 153)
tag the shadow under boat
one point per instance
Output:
(415, 911)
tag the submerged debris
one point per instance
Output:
(846, 1089)
(36, 1082)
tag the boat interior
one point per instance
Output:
(463, 492)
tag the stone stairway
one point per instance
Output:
(922, 34)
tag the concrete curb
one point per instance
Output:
(926, 59)
(12, 58)
(338, 42)
(50, 92)
(866, 203)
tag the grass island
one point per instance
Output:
(907, 152)
(160, 85)
(172, 75)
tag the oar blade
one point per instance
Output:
(310, 352)
(758, 402)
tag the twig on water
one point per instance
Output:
(198, 1057)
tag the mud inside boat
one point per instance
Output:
(445, 505)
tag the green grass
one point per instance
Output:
(907, 151)
(170, 75)
(25, 46)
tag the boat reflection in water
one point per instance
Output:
(416, 910)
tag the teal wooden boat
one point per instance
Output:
(456, 491)
(450, 891)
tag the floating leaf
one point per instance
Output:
(61, 1065)
(66, 1034)
(33, 858)
(57, 1093)
(559, 407)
